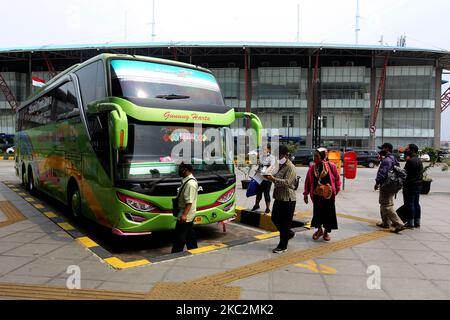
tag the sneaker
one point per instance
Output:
(382, 225)
(326, 236)
(417, 226)
(398, 229)
(255, 208)
(267, 210)
(408, 226)
(279, 250)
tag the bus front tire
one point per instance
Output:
(75, 201)
(30, 183)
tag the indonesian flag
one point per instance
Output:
(37, 82)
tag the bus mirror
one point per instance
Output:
(118, 122)
(255, 123)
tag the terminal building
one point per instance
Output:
(312, 93)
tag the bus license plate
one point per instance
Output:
(198, 220)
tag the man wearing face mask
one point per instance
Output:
(285, 200)
(412, 186)
(187, 204)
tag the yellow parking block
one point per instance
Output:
(66, 226)
(39, 206)
(267, 235)
(29, 199)
(50, 214)
(119, 264)
(87, 242)
(207, 248)
(22, 194)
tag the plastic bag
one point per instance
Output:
(252, 187)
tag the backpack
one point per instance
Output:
(297, 182)
(394, 181)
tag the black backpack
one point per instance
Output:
(394, 180)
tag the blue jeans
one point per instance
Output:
(411, 197)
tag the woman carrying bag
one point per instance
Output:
(322, 184)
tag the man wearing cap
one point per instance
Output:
(386, 199)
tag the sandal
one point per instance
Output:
(326, 236)
(317, 234)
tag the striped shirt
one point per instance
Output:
(285, 182)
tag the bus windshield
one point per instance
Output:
(146, 80)
(149, 152)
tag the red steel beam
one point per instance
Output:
(8, 94)
(373, 122)
(445, 99)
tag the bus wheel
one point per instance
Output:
(23, 178)
(30, 185)
(75, 201)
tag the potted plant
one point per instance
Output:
(433, 154)
(245, 168)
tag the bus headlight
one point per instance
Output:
(137, 204)
(227, 196)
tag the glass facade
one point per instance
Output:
(17, 83)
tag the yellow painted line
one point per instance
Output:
(287, 259)
(22, 194)
(14, 189)
(66, 226)
(267, 235)
(11, 158)
(39, 206)
(50, 214)
(317, 268)
(190, 291)
(208, 248)
(87, 242)
(29, 199)
(239, 208)
(119, 264)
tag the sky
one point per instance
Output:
(52, 22)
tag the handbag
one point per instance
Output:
(175, 207)
(403, 213)
(252, 188)
(324, 190)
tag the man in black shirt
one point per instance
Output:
(412, 186)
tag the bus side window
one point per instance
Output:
(66, 102)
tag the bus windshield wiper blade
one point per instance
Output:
(171, 96)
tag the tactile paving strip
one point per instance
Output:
(249, 270)
(60, 293)
(192, 291)
(12, 214)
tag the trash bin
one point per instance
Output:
(350, 164)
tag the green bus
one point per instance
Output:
(98, 138)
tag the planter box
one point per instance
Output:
(426, 185)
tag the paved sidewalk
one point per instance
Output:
(413, 265)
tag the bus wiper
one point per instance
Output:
(171, 96)
(221, 176)
(151, 185)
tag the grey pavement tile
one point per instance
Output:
(344, 285)
(404, 244)
(24, 279)
(301, 283)
(441, 228)
(438, 246)
(344, 267)
(31, 250)
(425, 257)
(210, 260)
(85, 284)
(445, 255)
(237, 260)
(343, 298)
(435, 271)
(431, 236)
(146, 275)
(69, 252)
(256, 283)
(7, 264)
(176, 274)
(412, 289)
(375, 244)
(22, 237)
(376, 254)
(254, 295)
(293, 296)
(397, 269)
(6, 246)
(39, 219)
(42, 268)
(48, 228)
(443, 285)
(89, 270)
(60, 238)
(122, 286)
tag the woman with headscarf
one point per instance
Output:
(322, 184)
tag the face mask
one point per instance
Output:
(283, 161)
